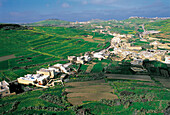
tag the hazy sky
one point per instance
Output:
(20, 11)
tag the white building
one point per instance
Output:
(62, 68)
(137, 62)
(34, 79)
(99, 55)
(4, 89)
(50, 72)
(167, 59)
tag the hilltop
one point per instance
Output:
(48, 22)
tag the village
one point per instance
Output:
(47, 77)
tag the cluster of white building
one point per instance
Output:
(124, 49)
(120, 48)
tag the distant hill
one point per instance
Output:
(96, 21)
(48, 22)
(140, 20)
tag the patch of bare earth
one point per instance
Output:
(130, 77)
(88, 39)
(3, 58)
(99, 39)
(88, 91)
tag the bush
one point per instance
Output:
(126, 93)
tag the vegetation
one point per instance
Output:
(41, 46)
(38, 101)
(38, 47)
(135, 97)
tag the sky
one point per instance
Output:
(27, 11)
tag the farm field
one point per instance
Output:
(134, 97)
(88, 91)
(39, 101)
(41, 46)
(130, 77)
(101, 87)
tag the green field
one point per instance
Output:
(135, 97)
(42, 46)
(38, 101)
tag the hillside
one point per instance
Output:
(107, 86)
(163, 26)
(48, 22)
(41, 46)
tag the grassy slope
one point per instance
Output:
(155, 96)
(41, 45)
(31, 99)
(163, 25)
(124, 26)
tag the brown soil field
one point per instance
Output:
(88, 91)
(164, 82)
(132, 77)
(88, 39)
(3, 58)
(99, 39)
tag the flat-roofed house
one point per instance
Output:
(4, 89)
(48, 72)
(87, 58)
(72, 58)
(137, 62)
(167, 59)
(34, 79)
(62, 68)
(135, 48)
(99, 55)
(80, 60)
(155, 44)
(115, 40)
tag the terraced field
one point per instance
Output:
(39, 47)
(37, 101)
(88, 91)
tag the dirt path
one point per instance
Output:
(3, 58)
(90, 67)
(88, 91)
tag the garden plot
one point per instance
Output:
(131, 77)
(88, 91)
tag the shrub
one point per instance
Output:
(126, 93)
